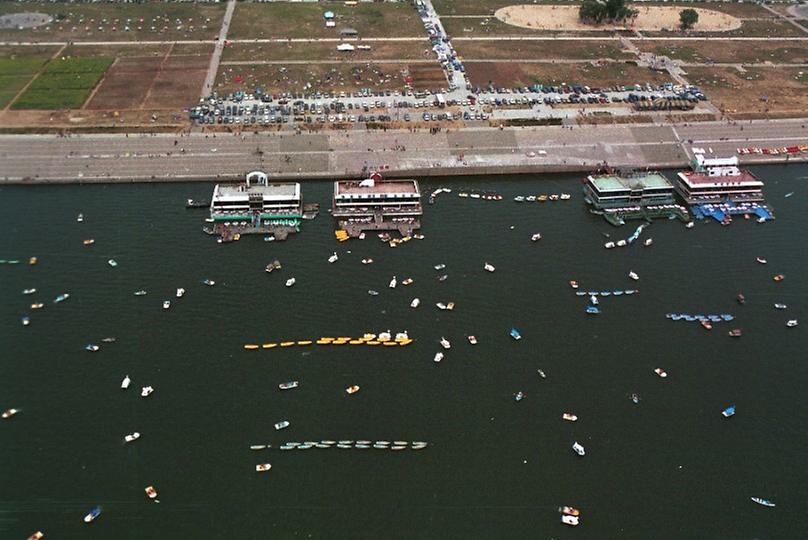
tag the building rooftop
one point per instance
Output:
(349, 187)
(280, 191)
(613, 182)
(745, 178)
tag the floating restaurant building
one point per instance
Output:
(376, 204)
(632, 196)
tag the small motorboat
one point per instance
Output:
(787, 195)
(352, 389)
(443, 277)
(408, 281)
(792, 323)
(125, 382)
(536, 237)
(706, 324)
(288, 385)
(438, 357)
(88, 242)
(28, 291)
(112, 262)
(661, 372)
(761, 260)
(271, 267)
(141, 292)
(573, 284)
(441, 305)
(209, 282)
(439, 266)
(262, 467)
(569, 417)
(594, 300)
(633, 275)
(472, 340)
(592, 310)
(609, 245)
(166, 304)
(648, 242)
(80, 218)
(371, 292)
(393, 283)
(741, 299)
(61, 298)
(110, 339)
(258, 447)
(333, 258)
(367, 261)
(621, 243)
(488, 267)
(8, 413)
(92, 347)
(635, 398)
(780, 306)
(146, 391)
(95, 512)
(269, 238)
(736, 332)
(445, 343)
(572, 521)
(763, 502)
(690, 224)
(37, 305)
(515, 334)
(26, 321)
(132, 437)
(281, 425)
(729, 411)
(578, 448)
(290, 282)
(541, 373)
(151, 492)
(415, 303)
(779, 277)
(569, 511)
(519, 396)
(36, 536)
(519, 198)
(180, 292)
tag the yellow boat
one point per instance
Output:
(390, 344)
(250, 346)
(32, 260)
(357, 342)
(287, 343)
(374, 342)
(305, 342)
(326, 338)
(236, 237)
(368, 337)
(269, 345)
(324, 342)
(384, 339)
(404, 342)
(344, 338)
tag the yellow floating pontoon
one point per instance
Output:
(338, 342)
(326, 339)
(404, 342)
(269, 345)
(374, 342)
(390, 344)
(287, 343)
(356, 342)
(305, 342)
(324, 342)
(250, 346)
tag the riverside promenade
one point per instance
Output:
(340, 154)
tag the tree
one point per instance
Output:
(688, 18)
(598, 11)
(591, 11)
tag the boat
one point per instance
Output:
(112, 262)
(608, 245)
(519, 396)
(91, 347)
(519, 198)
(594, 300)
(541, 373)
(96, 511)
(515, 334)
(648, 242)
(661, 372)
(8, 413)
(592, 310)
(61, 298)
(729, 411)
(792, 323)
(450, 306)
(415, 303)
(166, 304)
(28, 291)
(633, 275)
(333, 258)
(445, 343)
(289, 385)
(271, 267)
(37, 305)
(151, 492)
(36, 536)
(443, 277)
(763, 502)
(621, 243)
(80, 218)
(146, 391)
(125, 382)
(352, 389)
(132, 437)
(579, 449)
(488, 267)
(780, 306)
(282, 424)
(269, 238)
(690, 224)
(741, 299)
(779, 277)
(439, 266)
(635, 398)
(180, 292)
(536, 237)
(408, 281)
(572, 521)
(141, 292)
(706, 325)
(371, 292)
(209, 282)
(761, 260)
(89, 242)
(787, 195)
(393, 283)
(573, 284)
(367, 261)
(441, 305)
(472, 340)
(290, 282)
(438, 357)
(26, 321)
(569, 417)
(736, 332)
(569, 511)
(262, 467)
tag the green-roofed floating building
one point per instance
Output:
(621, 197)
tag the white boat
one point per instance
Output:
(792, 323)
(8, 413)
(28, 291)
(572, 521)
(579, 449)
(393, 283)
(445, 343)
(441, 305)
(763, 502)
(112, 262)
(472, 340)
(26, 321)
(258, 447)
(352, 389)
(180, 292)
(438, 357)
(333, 258)
(569, 417)
(633, 275)
(541, 373)
(608, 245)
(132, 437)
(439, 266)
(282, 424)
(151, 493)
(565, 196)
(209, 282)
(780, 306)
(125, 382)
(489, 267)
(146, 391)
(536, 237)
(262, 467)
(690, 224)
(415, 303)
(290, 282)
(648, 241)
(594, 300)
(166, 304)
(621, 243)
(661, 372)
(367, 261)
(761, 260)
(141, 292)
(80, 218)
(289, 385)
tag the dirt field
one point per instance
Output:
(729, 51)
(109, 21)
(427, 77)
(300, 77)
(296, 20)
(759, 90)
(491, 26)
(477, 7)
(510, 75)
(654, 18)
(589, 50)
(394, 50)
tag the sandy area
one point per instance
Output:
(24, 20)
(650, 18)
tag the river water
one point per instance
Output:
(668, 467)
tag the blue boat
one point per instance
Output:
(605, 293)
(727, 317)
(630, 291)
(592, 310)
(701, 317)
(592, 293)
(519, 396)
(689, 318)
(617, 293)
(515, 334)
(94, 513)
(714, 318)
(676, 317)
(91, 347)
(669, 315)
(729, 411)
(580, 293)
(61, 298)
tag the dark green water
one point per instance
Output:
(669, 467)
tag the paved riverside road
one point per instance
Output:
(335, 154)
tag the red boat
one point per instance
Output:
(735, 333)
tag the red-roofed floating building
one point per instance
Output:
(375, 204)
(714, 180)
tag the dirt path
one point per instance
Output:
(216, 57)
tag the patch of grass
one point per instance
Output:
(15, 74)
(64, 84)
(495, 50)
(49, 99)
(730, 51)
(379, 50)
